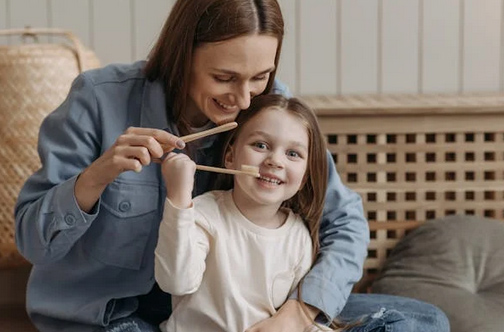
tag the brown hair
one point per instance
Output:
(194, 22)
(309, 200)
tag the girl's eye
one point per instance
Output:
(260, 145)
(223, 79)
(293, 154)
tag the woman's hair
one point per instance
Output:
(308, 202)
(194, 22)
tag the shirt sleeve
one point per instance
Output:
(281, 88)
(181, 251)
(48, 218)
(344, 237)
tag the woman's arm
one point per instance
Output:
(344, 237)
(58, 204)
(48, 218)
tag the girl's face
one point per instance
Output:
(275, 141)
(226, 75)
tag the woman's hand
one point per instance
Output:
(289, 318)
(133, 149)
(178, 174)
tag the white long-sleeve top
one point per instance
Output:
(226, 273)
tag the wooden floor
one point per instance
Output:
(15, 319)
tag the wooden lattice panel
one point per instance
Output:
(413, 158)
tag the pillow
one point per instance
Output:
(455, 263)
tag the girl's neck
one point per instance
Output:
(267, 216)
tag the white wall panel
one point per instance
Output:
(149, 17)
(3, 20)
(441, 47)
(330, 46)
(287, 69)
(112, 30)
(318, 47)
(482, 45)
(72, 15)
(400, 46)
(32, 13)
(359, 46)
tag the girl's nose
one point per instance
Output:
(274, 160)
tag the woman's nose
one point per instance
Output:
(244, 96)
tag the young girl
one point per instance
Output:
(232, 258)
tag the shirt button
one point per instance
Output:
(70, 219)
(124, 206)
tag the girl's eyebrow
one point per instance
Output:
(231, 72)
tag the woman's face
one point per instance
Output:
(226, 75)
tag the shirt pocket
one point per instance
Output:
(121, 231)
(281, 288)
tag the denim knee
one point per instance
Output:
(429, 319)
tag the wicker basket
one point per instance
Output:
(34, 79)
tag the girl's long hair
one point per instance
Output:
(194, 22)
(308, 202)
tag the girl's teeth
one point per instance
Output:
(275, 181)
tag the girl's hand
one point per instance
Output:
(178, 174)
(289, 318)
(133, 149)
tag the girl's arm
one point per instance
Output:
(180, 252)
(182, 244)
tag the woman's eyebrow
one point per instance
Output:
(231, 72)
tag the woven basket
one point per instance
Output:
(34, 79)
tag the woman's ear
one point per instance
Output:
(229, 158)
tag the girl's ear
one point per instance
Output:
(229, 158)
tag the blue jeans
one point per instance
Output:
(388, 313)
(374, 312)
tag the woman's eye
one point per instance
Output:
(261, 78)
(223, 79)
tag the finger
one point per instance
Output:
(140, 153)
(127, 164)
(167, 140)
(149, 142)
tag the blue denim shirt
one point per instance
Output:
(88, 269)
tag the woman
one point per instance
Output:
(88, 219)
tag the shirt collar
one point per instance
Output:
(153, 113)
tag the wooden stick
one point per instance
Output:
(204, 133)
(244, 170)
(212, 131)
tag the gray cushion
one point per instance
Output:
(455, 263)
